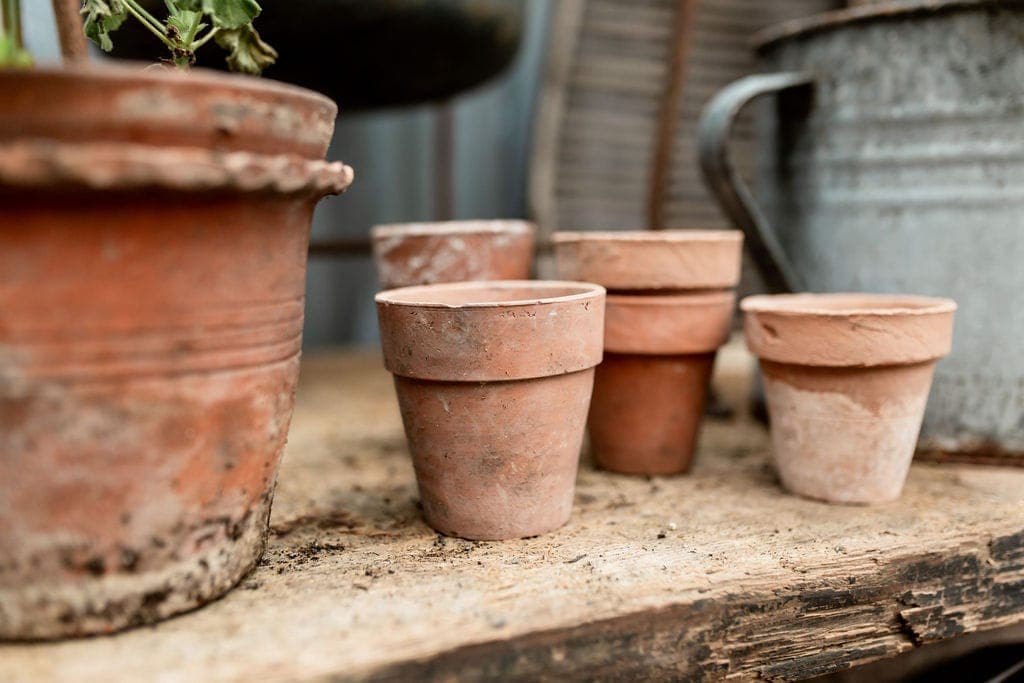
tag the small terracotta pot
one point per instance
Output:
(494, 383)
(152, 270)
(651, 259)
(409, 254)
(846, 380)
(650, 390)
(660, 344)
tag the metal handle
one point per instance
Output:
(722, 179)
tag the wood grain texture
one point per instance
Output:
(613, 100)
(718, 574)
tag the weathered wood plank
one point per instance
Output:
(718, 574)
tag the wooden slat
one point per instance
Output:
(613, 89)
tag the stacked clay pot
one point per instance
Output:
(669, 309)
(408, 254)
(494, 382)
(846, 378)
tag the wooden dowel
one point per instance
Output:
(73, 44)
(668, 119)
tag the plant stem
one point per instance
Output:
(73, 45)
(205, 39)
(11, 10)
(142, 10)
(135, 10)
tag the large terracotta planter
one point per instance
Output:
(671, 311)
(408, 254)
(846, 380)
(152, 266)
(494, 382)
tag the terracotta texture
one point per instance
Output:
(846, 380)
(651, 259)
(408, 254)
(494, 382)
(668, 324)
(649, 391)
(152, 269)
(672, 311)
(646, 412)
(165, 108)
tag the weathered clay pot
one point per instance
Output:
(651, 259)
(494, 382)
(846, 379)
(649, 391)
(661, 335)
(152, 266)
(409, 254)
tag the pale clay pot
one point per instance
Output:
(846, 380)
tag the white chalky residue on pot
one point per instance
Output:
(144, 474)
(431, 253)
(828, 446)
(154, 105)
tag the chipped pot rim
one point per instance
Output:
(647, 236)
(430, 296)
(498, 226)
(115, 166)
(847, 304)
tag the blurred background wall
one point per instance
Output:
(393, 153)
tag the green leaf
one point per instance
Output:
(102, 17)
(182, 22)
(247, 53)
(11, 55)
(231, 14)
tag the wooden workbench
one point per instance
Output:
(715, 574)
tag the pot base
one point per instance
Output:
(496, 460)
(646, 411)
(845, 435)
(104, 604)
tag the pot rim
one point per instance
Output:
(846, 304)
(401, 296)
(668, 324)
(840, 18)
(106, 166)
(461, 227)
(143, 72)
(715, 297)
(647, 236)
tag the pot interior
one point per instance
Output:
(848, 304)
(493, 227)
(488, 294)
(648, 236)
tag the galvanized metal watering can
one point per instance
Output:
(895, 163)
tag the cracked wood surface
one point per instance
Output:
(717, 574)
